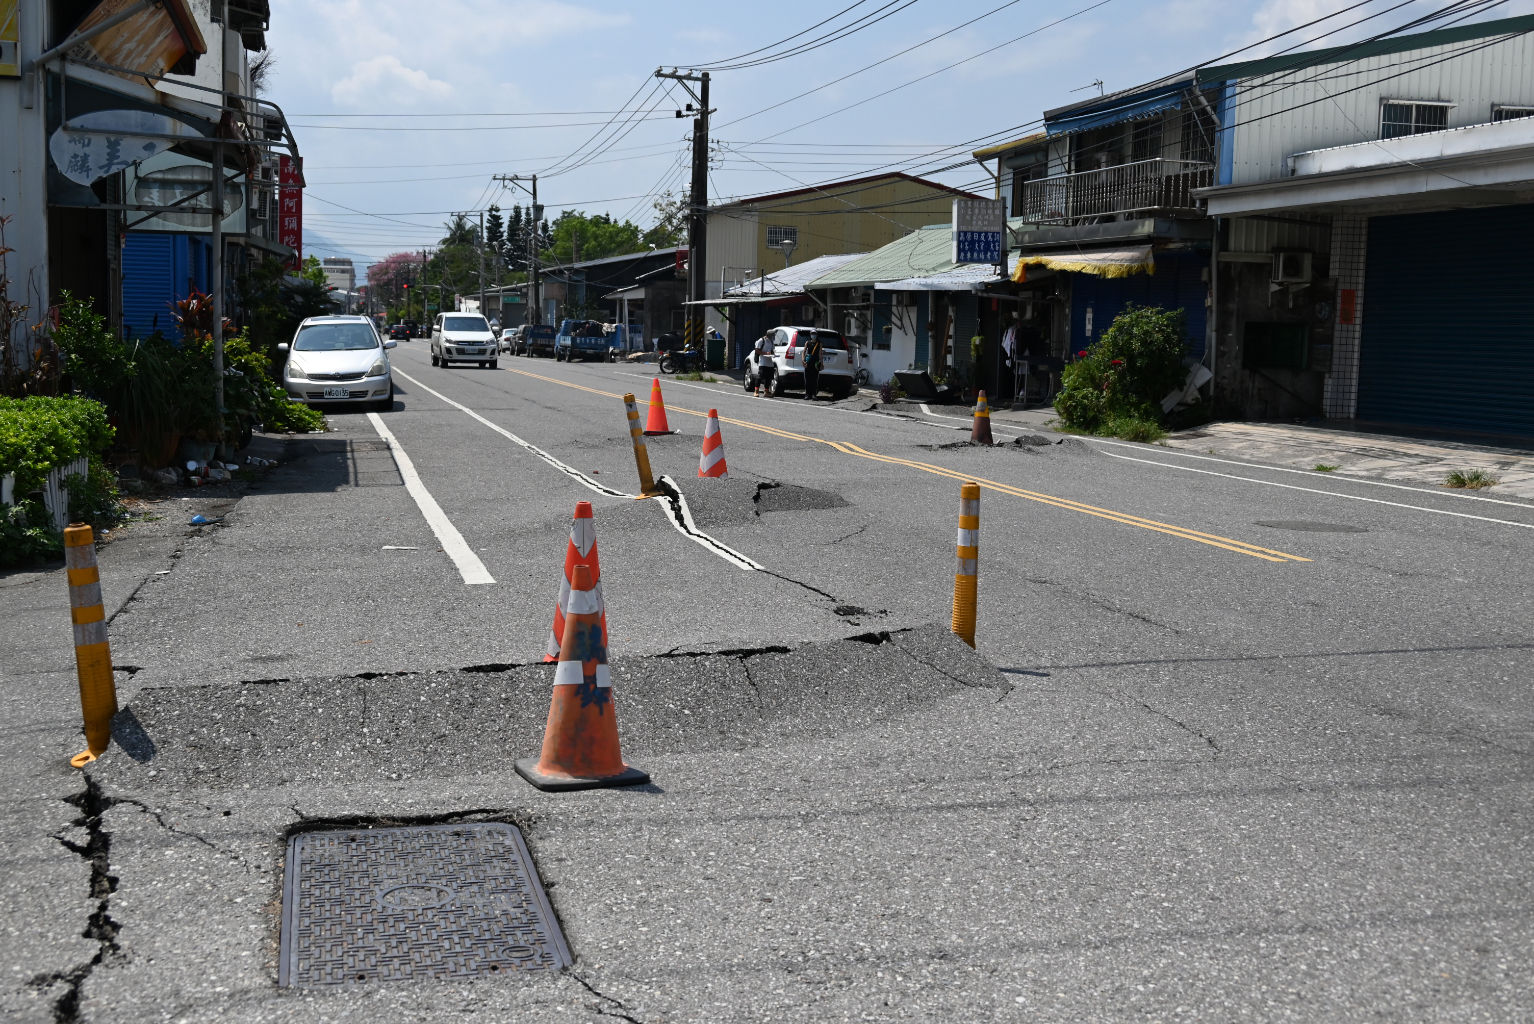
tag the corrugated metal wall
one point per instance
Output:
(1448, 326)
(1339, 104)
(1253, 234)
(1178, 283)
(732, 243)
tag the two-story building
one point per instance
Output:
(1267, 198)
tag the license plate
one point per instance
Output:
(338, 392)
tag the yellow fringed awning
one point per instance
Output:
(1106, 263)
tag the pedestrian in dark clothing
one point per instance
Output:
(812, 363)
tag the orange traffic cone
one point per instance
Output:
(581, 550)
(657, 424)
(580, 741)
(980, 431)
(712, 461)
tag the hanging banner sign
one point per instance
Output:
(290, 208)
(977, 230)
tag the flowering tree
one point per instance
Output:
(388, 277)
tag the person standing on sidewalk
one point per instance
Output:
(766, 364)
(812, 365)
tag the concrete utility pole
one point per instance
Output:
(482, 263)
(697, 222)
(534, 300)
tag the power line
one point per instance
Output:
(867, 21)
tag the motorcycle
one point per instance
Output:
(682, 360)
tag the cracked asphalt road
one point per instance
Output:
(1177, 781)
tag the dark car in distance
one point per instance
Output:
(399, 331)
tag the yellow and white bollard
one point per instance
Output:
(93, 655)
(641, 453)
(966, 577)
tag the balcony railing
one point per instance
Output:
(1145, 186)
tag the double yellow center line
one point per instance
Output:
(847, 448)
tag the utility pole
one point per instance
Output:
(482, 264)
(534, 300)
(697, 201)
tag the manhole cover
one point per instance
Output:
(431, 901)
(1307, 526)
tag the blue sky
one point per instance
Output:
(527, 86)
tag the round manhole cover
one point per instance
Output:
(1310, 526)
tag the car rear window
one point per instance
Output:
(334, 338)
(828, 339)
(465, 323)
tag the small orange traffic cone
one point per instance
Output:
(980, 431)
(581, 550)
(657, 424)
(712, 461)
(580, 741)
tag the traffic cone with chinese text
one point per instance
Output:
(581, 550)
(656, 423)
(980, 431)
(580, 740)
(712, 461)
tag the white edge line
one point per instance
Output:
(454, 546)
(718, 547)
(1169, 450)
(534, 449)
(1315, 490)
(689, 528)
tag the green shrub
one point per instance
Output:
(27, 534)
(1133, 428)
(1472, 479)
(41, 432)
(1119, 381)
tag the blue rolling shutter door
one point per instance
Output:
(1178, 283)
(1448, 321)
(148, 283)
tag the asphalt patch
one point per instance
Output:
(383, 729)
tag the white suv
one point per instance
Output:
(788, 353)
(463, 338)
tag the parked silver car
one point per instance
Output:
(340, 360)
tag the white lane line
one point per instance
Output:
(469, 566)
(1311, 473)
(1316, 490)
(684, 524)
(690, 529)
(528, 445)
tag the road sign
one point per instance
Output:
(977, 230)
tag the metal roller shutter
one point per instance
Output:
(1448, 321)
(1178, 283)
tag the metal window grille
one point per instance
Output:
(1398, 119)
(777, 234)
(1503, 112)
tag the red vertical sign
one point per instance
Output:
(1347, 306)
(290, 208)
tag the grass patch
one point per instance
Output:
(1473, 480)
(1132, 428)
(1326, 467)
(707, 378)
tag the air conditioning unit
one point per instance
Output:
(1291, 267)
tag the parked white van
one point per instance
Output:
(463, 338)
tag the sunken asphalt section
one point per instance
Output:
(877, 827)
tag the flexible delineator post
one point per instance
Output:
(966, 577)
(93, 656)
(641, 453)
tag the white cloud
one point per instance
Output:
(385, 79)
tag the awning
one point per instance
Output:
(1115, 114)
(969, 277)
(1104, 263)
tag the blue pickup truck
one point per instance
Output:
(538, 340)
(581, 339)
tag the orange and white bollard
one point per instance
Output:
(581, 550)
(966, 577)
(711, 463)
(641, 453)
(93, 655)
(580, 740)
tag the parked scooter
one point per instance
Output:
(681, 360)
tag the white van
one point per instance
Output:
(462, 338)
